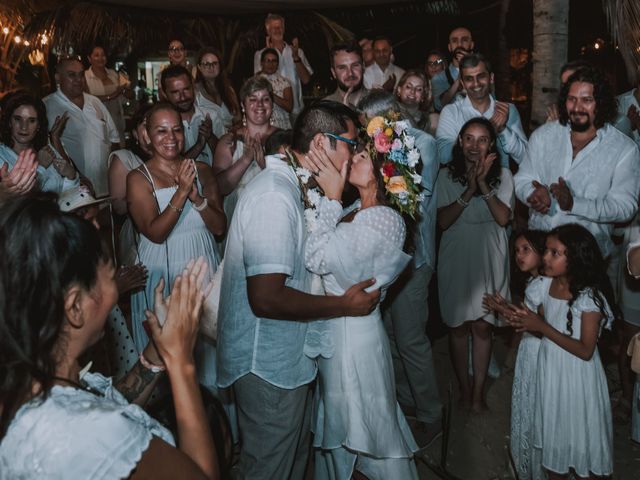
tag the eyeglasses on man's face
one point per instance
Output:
(176, 49)
(354, 144)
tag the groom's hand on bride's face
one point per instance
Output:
(358, 301)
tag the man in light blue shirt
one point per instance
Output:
(266, 302)
(445, 85)
(477, 78)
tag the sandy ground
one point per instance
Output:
(478, 444)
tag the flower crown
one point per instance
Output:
(390, 139)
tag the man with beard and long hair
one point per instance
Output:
(347, 69)
(447, 84)
(202, 128)
(581, 169)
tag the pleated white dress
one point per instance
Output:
(572, 421)
(356, 405)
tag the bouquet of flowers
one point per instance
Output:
(391, 142)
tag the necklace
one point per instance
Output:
(80, 386)
(310, 195)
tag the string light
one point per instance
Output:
(17, 39)
(5, 30)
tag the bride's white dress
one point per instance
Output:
(355, 404)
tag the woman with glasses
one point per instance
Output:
(109, 86)
(436, 63)
(282, 91)
(414, 94)
(240, 154)
(213, 88)
(177, 55)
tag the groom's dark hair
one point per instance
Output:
(324, 116)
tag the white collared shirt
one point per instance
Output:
(374, 77)
(87, 137)
(287, 68)
(191, 132)
(623, 123)
(511, 141)
(604, 179)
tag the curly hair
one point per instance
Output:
(222, 82)
(46, 251)
(586, 269)
(457, 167)
(606, 104)
(15, 102)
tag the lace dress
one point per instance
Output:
(356, 403)
(572, 421)
(77, 434)
(526, 458)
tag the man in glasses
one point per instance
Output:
(347, 69)
(436, 63)
(446, 84)
(90, 133)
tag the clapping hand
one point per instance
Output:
(483, 168)
(524, 320)
(500, 116)
(131, 277)
(539, 200)
(390, 84)
(328, 177)
(205, 129)
(22, 177)
(562, 194)
(497, 303)
(58, 127)
(295, 49)
(186, 177)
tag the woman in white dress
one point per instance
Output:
(175, 205)
(111, 87)
(475, 199)
(213, 89)
(359, 424)
(239, 155)
(59, 421)
(282, 91)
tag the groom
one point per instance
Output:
(266, 302)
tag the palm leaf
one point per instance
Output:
(624, 22)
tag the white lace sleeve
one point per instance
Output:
(368, 247)
(536, 291)
(586, 303)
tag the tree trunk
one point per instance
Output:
(550, 41)
(503, 70)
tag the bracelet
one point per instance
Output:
(202, 206)
(179, 210)
(151, 366)
(462, 201)
(488, 195)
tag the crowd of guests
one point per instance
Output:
(264, 283)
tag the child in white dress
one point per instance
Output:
(572, 421)
(528, 251)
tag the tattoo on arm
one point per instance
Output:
(135, 382)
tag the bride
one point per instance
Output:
(359, 425)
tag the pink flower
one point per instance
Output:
(382, 143)
(396, 145)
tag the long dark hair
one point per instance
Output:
(535, 238)
(457, 167)
(15, 102)
(223, 85)
(44, 252)
(586, 269)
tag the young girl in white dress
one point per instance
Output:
(358, 423)
(569, 307)
(528, 251)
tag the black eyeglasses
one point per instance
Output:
(209, 64)
(176, 49)
(435, 62)
(354, 144)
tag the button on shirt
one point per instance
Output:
(87, 137)
(287, 68)
(374, 77)
(440, 84)
(603, 179)
(511, 141)
(191, 132)
(267, 235)
(425, 243)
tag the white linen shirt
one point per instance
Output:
(266, 236)
(374, 77)
(287, 68)
(87, 137)
(511, 141)
(440, 84)
(603, 178)
(191, 132)
(623, 123)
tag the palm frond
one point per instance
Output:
(624, 22)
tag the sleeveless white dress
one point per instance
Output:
(355, 405)
(572, 421)
(188, 240)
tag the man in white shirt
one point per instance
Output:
(446, 84)
(347, 69)
(382, 73)
(90, 133)
(267, 300)
(580, 169)
(293, 64)
(477, 79)
(628, 120)
(202, 129)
